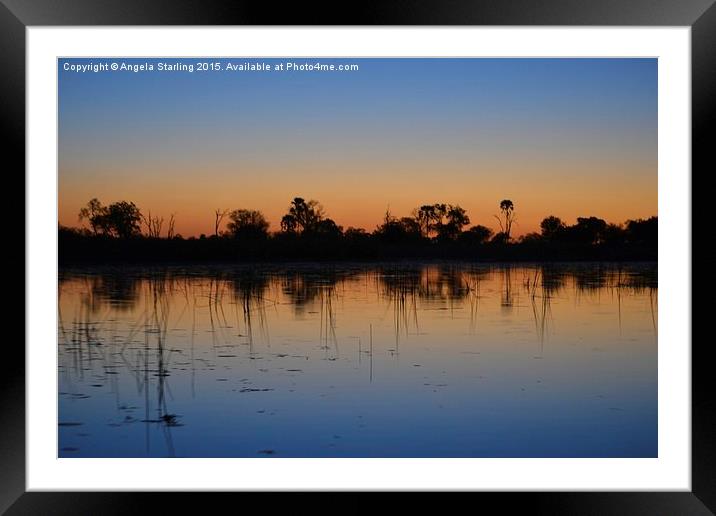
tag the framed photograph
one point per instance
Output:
(418, 250)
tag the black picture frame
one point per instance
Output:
(700, 15)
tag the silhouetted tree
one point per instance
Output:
(643, 231)
(551, 227)
(219, 215)
(123, 219)
(429, 217)
(96, 215)
(499, 238)
(302, 215)
(439, 213)
(476, 235)
(153, 224)
(587, 230)
(327, 228)
(531, 238)
(410, 226)
(170, 230)
(445, 221)
(508, 218)
(289, 224)
(306, 232)
(422, 218)
(398, 230)
(247, 224)
(456, 220)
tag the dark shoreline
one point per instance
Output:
(118, 239)
(93, 251)
(254, 271)
(95, 260)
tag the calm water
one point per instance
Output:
(359, 361)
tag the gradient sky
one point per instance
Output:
(568, 137)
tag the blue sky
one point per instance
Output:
(555, 135)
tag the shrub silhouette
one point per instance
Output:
(121, 219)
(552, 227)
(247, 224)
(476, 235)
(431, 231)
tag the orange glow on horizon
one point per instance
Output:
(359, 200)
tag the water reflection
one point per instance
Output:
(396, 360)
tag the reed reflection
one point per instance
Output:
(166, 348)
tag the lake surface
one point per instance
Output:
(388, 360)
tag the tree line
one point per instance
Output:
(307, 220)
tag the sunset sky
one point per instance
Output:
(565, 137)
